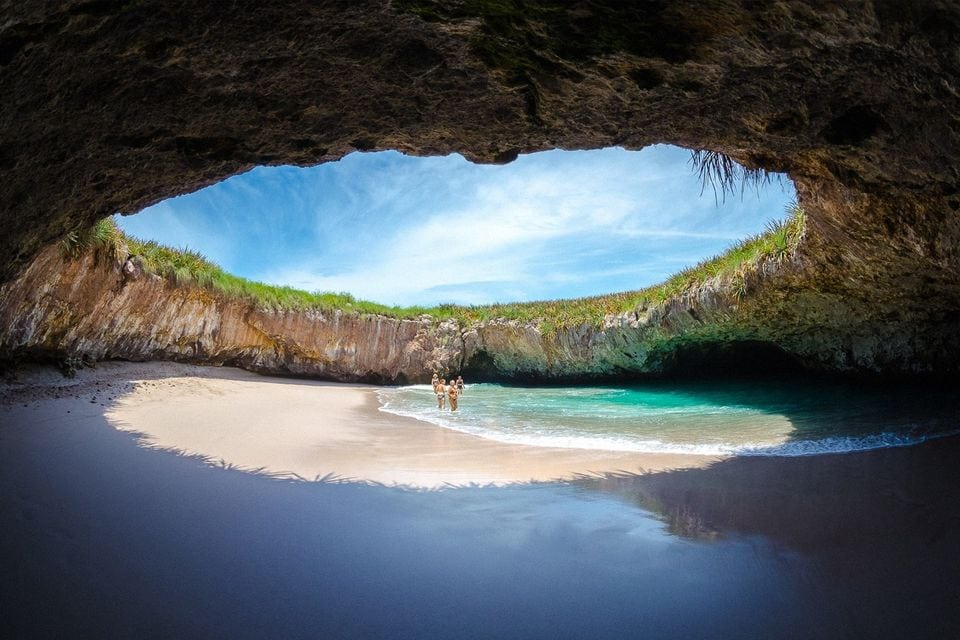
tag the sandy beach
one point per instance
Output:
(105, 537)
(309, 430)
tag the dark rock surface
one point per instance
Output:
(113, 105)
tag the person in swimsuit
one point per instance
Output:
(441, 393)
(453, 393)
(460, 384)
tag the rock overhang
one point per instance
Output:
(113, 105)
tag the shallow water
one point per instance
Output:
(106, 539)
(743, 417)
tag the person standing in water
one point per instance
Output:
(453, 392)
(460, 384)
(440, 390)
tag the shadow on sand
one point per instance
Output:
(880, 529)
(105, 539)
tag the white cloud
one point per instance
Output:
(499, 238)
(408, 231)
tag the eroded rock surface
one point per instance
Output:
(87, 309)
(110, 105)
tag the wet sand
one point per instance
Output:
(307, 429)
(106, 538)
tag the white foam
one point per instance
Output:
(592, 443)
(788, 448)
(847, 444)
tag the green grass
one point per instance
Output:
(103, 238)
(186, 268)
(723, 174)
(778, 243)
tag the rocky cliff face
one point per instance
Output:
(110, 105)
(89, 308)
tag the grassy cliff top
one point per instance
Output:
(186, 268)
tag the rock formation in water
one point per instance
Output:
(110, 105)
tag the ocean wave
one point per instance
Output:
(844, 444)
(593, 443)
(788, 448)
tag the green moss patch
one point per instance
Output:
(515, 34)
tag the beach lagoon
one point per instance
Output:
(122, 527)
(710, 418)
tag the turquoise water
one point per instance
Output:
(707, 418)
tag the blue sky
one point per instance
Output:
(402, 230)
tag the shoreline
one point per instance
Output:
(311, 430)
(108, 538)
(296, 428)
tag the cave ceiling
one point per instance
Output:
(110, 106)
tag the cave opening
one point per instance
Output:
(115, 524)
(425, 232)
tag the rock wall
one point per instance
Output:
(89, 308)
(111, 105)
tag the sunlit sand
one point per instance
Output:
(111, 539)
(313, 430)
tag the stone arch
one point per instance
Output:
(111, 105)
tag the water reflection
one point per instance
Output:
(879, 529)
(106, 539)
